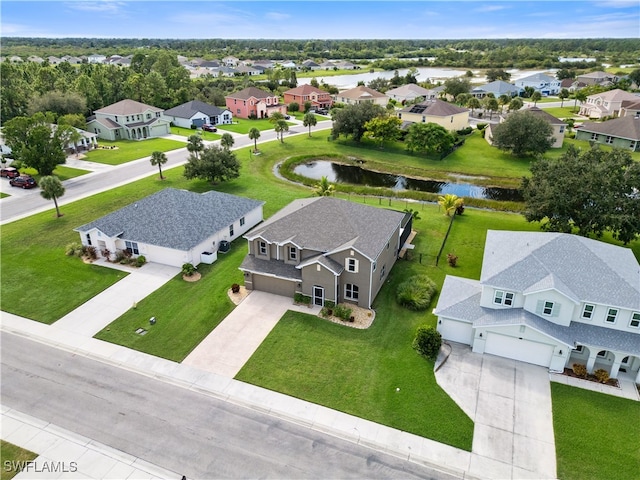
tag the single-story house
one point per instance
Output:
(361, 94)
(436, 111)
(173, 227)
(128, 120)
(622, 132)
(498, 88)
(559, 127)
(606, 104)
(197, 113)
(252, 101)
(325, 248)
(409, 92)
(550, 299)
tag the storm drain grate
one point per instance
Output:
(141, 331)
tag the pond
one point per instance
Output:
(356, 175)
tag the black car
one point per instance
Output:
(23, 181)
(287, 117)
(209, 128)
(9, 172)
(322, 111)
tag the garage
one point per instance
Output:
(522, 350)
(456, 331)
(274, 285)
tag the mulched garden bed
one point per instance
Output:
(612, 382)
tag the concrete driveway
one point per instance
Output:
(231, 344)
(510, 403)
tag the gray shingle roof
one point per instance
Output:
(276, 268)
(173, 218)
(435, 108)
(127, 107)
(325, 224)
(189, 109)
(623, 127)
(584, 269)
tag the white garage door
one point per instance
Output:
(522, 350)
(454, 331)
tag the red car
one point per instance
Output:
(23, 181)
(9, 172)
(209, 128)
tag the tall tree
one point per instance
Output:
(563, 95)
(383, 129)
(195, 145)
(535, 97)
(579, 96)
(515, 104)
(214, 164)
(473, 104)
(254, 134)
(494, 74)
(503, 100)
(589, 192)
(227, 141)
(429, 138)
(350, 120)
(280, 127)
(51, 188)
(456, 85)
(523, 133)
(309, 120)
(159, 159)
(490, 104)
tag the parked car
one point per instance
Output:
(23, 181)
(209, 128)
(287, 117)
(322, 111)
(9, 172)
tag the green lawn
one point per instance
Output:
(243, 125)
(4, 195)
(187, 132)
(597, 435)
(564, 112)
(61, 171)
(129, 150)
(11, 456)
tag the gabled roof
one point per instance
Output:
(538, 77)
(172, 218)
(623, 127)
(434, 108)
(189, 109)
(325, 224)
(597, 75)
(583, 269)
(498, 87)
(615, 95)
(305, 89)
(249, 92)
(409, 88)
(538, 112)
(127, 107)
(360, 92)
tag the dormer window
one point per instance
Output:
(503, 298)
(292, 253)
(262, 248)
(635, 320)
(547, 309)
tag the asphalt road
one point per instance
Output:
(175, 428)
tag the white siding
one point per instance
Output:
(455, 331)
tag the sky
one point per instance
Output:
(324, 19)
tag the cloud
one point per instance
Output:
(100, 6)
(277, 16)
(616, 3)
(490, 8)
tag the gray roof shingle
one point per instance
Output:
(623, 127)
(189, 109)
(172, 218)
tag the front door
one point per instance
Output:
(318, 296)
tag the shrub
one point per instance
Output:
(120, 257)
(416, 292)
(580, 370)
(481, 126)
(602, 375)
(293, 107)
(452, 259)
(188, 269)
(464, 131)
(329, 304)
(106, 253)
(343, 312)
(90, 251)
(235, 288)
(141, 260)
(427, 342)
(73, 249)
(325, 312)
(302, 298)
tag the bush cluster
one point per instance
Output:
(416, 292)
(602, 375)
(188, 269)
(580, 370)
(427, 342)
(302, 298)
(343, 312)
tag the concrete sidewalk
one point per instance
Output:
(230, 345)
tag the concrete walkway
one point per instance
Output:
(510, 404)
(95, 314)
(230, 345)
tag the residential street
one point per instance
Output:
(147, 418)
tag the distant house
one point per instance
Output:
(571, 84)
(550, 299)
(230, 61)
(597, 78)
(197, 113)
(540, 82)
(35, 59)
(96, 58)
(436, 111)
(559, 127)
(128, 120)
(606, 104)
(173, 227)
(344, 65)
(70, 59)
(310, 65)
(630, 108)
(248, 71)
(290, 64)
(54, 60)
(325, 248)
(252, 101)
(498, 88)
(623, 132)
(409, 92)
(361, 94)
(308, 93)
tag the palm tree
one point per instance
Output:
(564, 94)
(503, 100)
(323, 188)
(195, 145)
(579, 95)
(535, 96)
(309, 120)
(473, 103)
(280, 127)
(449, 203)
(227, 141)
(159, 159)
(51, 188)
(254, 134)
(275, 117)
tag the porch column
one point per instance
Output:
(615, 368)
(638, 377)
(592, 359)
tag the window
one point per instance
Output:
(293, 253)
(587, 311)
(382, 270)
(602, 354)
(547, 309)
(612, 314)
(88, 237)
(242, 222)
(352, 265)
(562, 129)
(132, 247)
(351, 291)
(262, 248)
(609, 139)
(231, 230)
(594, 136)
(503, 298)
(375, 265)
(635, 319)
(579, 349)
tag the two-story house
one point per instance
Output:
(253, 102)
(327, 249)
(540, 82)
(128, 120)
(606, 104)
(436, 111)
(308, 93)
(550, 299)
